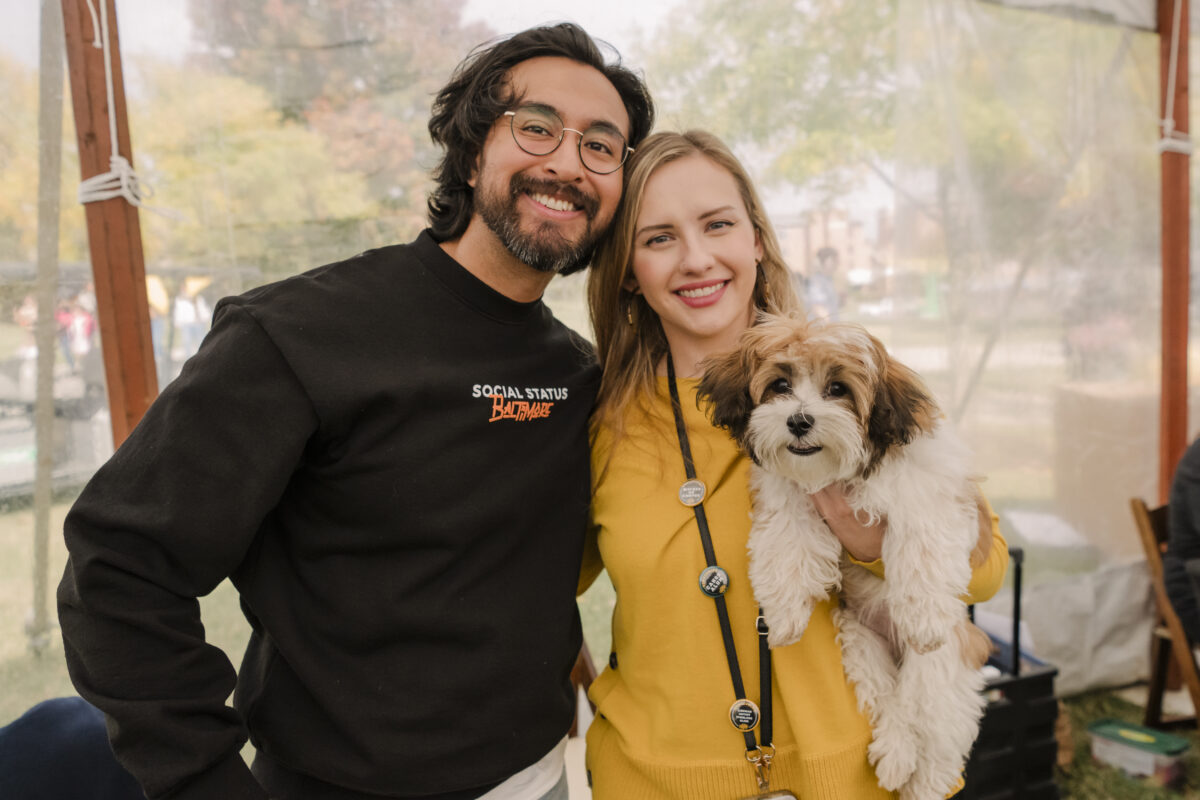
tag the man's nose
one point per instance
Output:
(564, 163)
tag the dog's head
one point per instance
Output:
(816, 401)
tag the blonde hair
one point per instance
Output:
(630, 353)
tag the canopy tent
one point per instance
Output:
(994, 277)
(1133, 13)
(1170, 18)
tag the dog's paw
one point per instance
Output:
(785, 632)
(924, 629)
(894, 758)
(925, 785)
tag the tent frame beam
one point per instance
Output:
(114, 229)
(1175, 197)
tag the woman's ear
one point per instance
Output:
(631, 285)
(758, 248)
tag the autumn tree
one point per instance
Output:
(362, 73)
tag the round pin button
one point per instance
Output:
(714, 581)
(744, 715)
(692, 492)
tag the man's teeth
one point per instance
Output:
(553, 202)
(705, 292)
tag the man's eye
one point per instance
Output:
(780, 386)
(837, 389)
(535, 130)
(599, 146)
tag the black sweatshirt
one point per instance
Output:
(1183, 540)
(389, 459)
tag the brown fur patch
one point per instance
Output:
(973, 644)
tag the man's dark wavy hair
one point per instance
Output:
(478, 93)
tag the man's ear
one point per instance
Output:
(473, 179)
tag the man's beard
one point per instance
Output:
(545, 248)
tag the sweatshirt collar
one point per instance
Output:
(468, 288)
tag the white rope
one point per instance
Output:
(120, 180)
(1173, 141)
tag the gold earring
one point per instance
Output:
(629, 312)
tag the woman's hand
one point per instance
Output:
(862, 542)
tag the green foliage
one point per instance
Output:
(808, 87)
(1014, 116)
(236, 178)
(19, 171)
(361, 73)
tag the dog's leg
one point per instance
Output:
(794, 559)
(871, 668)
(926, 555)
(943, 697)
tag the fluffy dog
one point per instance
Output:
(820, 403)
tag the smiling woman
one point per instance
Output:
(691, 261)
(695, 258)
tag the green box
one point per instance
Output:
(1139, 751)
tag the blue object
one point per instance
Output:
(58, 750)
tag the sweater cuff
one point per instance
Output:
(874, 567)
(229, 779)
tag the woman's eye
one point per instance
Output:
(780, 386)
(837, 389)
(653, 240)
(719, 224)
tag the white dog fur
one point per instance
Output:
(822, 403)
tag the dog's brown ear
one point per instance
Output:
(725, 388)
(903, 407)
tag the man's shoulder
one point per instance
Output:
(372, 276)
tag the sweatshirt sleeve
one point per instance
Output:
(171, 515)
(593, 563)
(1183, 541)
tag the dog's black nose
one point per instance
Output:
(800, 424)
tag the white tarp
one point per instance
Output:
(1094, 627)
(1133, 13)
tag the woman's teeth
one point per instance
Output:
(705, 292)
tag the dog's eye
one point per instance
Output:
(780, 386)
(837, 389)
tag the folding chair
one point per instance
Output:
(582, 675)
(1169, 641)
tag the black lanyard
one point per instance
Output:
(744, 715)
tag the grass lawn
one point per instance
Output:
(1085, 779)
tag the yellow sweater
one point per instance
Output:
(662, 728)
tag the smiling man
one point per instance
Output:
(388, 458)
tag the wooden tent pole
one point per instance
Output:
(1173, 405)
(114, 232)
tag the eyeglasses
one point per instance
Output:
(539, 131)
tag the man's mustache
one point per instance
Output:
(521, 184)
